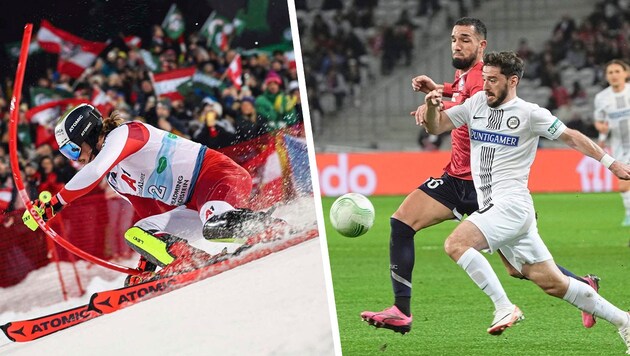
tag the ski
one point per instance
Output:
(106, 302)
(110, 301)
(28, 330)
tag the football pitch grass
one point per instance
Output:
(451, 315)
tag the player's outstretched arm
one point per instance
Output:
(424, 84)
(435, 120)
(585, 145)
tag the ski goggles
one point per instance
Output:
(70, 150)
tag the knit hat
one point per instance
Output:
(273, 77)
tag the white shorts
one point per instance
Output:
(510, 227)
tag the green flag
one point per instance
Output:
(200, 82)
(214, 31)
(40, 96)
(214, 23)
(13, 49)
(151, 60)
(256, 15)
(173, 23)
(239, 26)
(283, 46)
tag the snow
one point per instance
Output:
(277, 305)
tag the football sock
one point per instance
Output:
(585, 298)
(480, 271)
(625, 196)
(401, 260)
(568, 273)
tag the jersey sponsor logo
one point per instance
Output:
(513, 122)
(554, 127)
(496, 138)
(478, 117)
(162, 163)
(181, 188)
(135, 185)
(619, 114)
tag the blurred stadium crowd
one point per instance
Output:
(217, 114)
(567, 73)
(348, 44)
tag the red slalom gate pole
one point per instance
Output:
(15, 167)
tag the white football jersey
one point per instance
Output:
(615, 109)
(503, 143)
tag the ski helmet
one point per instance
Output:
(80, 124)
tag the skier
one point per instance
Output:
(182, 190)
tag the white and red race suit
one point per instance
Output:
(163, 176)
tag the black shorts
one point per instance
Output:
(459, 195)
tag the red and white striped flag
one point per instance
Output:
(235, 72)
(165, 84)
(75, 53)
(133, 41)
(46, 116)
(101, 101)
(5, 198)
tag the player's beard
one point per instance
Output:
(464, 63)
(499, 97)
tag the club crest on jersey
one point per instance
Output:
(492, 137)
(513, 122)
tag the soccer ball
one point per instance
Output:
(352, 214)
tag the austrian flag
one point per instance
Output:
(165, 84)
(235, 72)
(75, 53)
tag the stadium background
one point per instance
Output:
(269, 144)
(358, 76)
(359, 58)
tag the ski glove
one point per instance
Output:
(46, 207)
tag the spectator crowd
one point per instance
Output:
(569, 68)
(121, 78)
(348, 44)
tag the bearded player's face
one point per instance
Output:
(495, 85)
(466, 46)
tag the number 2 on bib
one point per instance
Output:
(157, 191)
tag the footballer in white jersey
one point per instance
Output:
(504, 133)
(503, 143)
(614, 109)
(612, 120)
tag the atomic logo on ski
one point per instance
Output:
(113, 300)
(28, 330)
